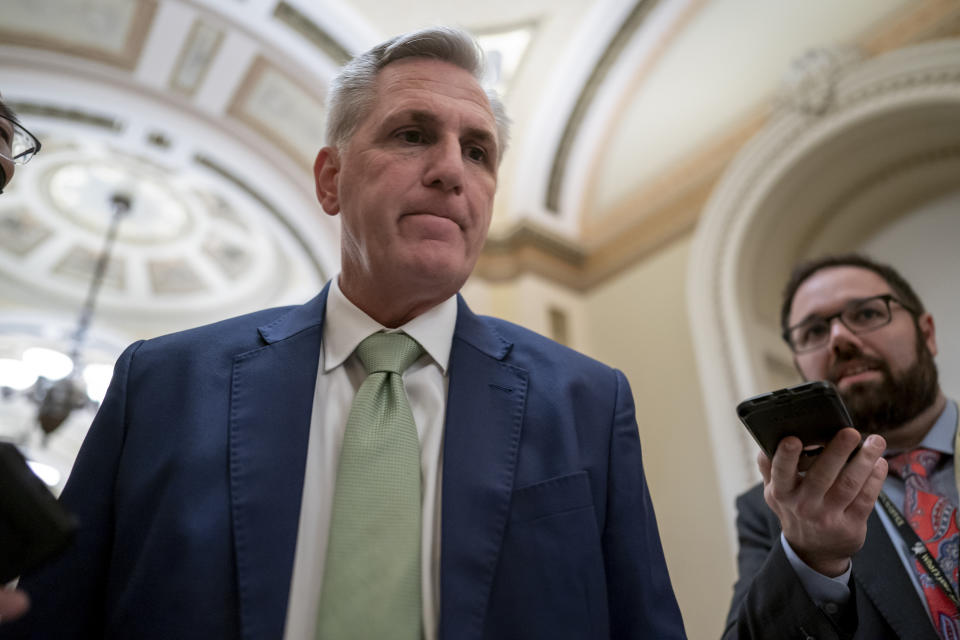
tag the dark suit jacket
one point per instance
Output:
(189, 483)
(770, 602)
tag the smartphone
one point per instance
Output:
(812, 411)
(34, 526)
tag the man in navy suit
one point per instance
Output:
(206, 483)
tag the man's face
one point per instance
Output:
(885, 376)
(415, 182)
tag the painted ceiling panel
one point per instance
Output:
(107, 29)
(283, 111)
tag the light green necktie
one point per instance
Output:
(371, 581)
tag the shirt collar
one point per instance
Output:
(346, 325)
(942, 433)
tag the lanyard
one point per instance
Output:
(918, 549)
(956, 447)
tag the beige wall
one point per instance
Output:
(638, 323)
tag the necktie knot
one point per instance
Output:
(916, 462)
(392, 352)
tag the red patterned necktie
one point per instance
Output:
(934, 518)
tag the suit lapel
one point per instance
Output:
(271, 400)
(880, 574)
(485, 406)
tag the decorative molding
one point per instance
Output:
(77, 116)
(310, 31)
(530, 248)
(617, 44)
(647, 221)
(808, 85)
(682, 190)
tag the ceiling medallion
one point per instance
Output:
(81, 190)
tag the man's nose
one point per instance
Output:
(445, 168)
(841, 337)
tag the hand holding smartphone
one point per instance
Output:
(812, 411)
(34, 526)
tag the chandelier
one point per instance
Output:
(57, 383)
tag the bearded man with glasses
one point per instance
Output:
(819, 555)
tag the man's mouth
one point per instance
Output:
(852, 374)
(442, 216)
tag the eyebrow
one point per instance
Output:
(820, 316)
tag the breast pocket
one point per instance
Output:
(550, 580)
(552, 497)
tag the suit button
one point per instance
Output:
(831, 608)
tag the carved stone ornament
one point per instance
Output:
(808, 84)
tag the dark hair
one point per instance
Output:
(901, 288)
(7, 113)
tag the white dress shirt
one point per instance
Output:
(338, 378)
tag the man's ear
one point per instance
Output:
(326, 168)
(928, 331)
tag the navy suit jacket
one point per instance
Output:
(188, 489)
(770, 601)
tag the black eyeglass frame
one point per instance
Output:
(886, 297)
(25, 156)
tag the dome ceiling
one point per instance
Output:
(209, 113)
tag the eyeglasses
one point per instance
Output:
(859, 316)
(16, 143)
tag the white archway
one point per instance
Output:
(855, 145)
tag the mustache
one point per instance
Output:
(854, 357)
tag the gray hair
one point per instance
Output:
(352, 90)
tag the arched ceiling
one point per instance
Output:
(210, 111)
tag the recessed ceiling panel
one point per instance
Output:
(278, 108)
(20, 231)
(175, 275)
(111, 31)
(199, 50)
(80, 263)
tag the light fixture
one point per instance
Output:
(48, 363)
(16, 375)
(59, 383)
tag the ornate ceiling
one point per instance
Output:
(209, 112)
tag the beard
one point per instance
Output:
(877, 407)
